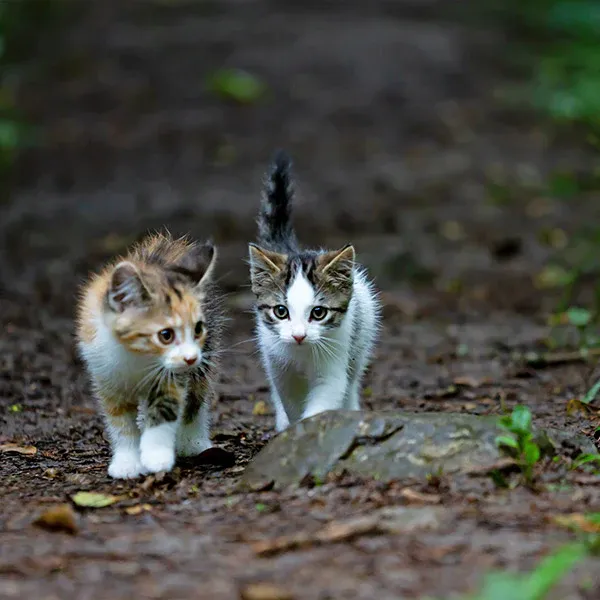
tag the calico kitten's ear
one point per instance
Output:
(265, 261)
(337, 262)
(126, 288)
(198, 264)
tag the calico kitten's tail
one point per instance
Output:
(275, 231)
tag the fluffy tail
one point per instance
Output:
(275, 231)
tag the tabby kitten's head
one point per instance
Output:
(301, 297)
(158, 301)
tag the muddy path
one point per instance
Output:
(390, 115)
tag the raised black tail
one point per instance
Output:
(275, 231)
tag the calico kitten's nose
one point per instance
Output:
(190, 360)
(299, 338)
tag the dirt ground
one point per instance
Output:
(390, 115)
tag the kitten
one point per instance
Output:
(149, 332)
(317, 313)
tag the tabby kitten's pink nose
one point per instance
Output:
(190, 360)
(299, 338)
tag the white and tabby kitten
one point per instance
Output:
(317, 313)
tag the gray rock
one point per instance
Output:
(388, 446)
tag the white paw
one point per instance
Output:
(281, 421)
(193, 447)
(158, 458)
(125, 465)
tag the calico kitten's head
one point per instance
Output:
(302, 296)
(157, 302)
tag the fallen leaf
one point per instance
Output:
(50, 473)
(215, 456)
(264, 591)
(578, 521)
(574, 406)
(336, 531)
(260, 408)
(16, 449)
(58, 518)
(472, 382)
(138, 509)
(94, 499)
(236, 84)
(421, 498)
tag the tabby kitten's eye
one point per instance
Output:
(280, 311)
(166, 336)
(318, 313)
(199, 329)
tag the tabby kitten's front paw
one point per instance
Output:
(125, 465)
(193, 447)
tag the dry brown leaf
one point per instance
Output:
(260, 408)
(264, 591)
(471, 382)
(578, 521)
(16, 449)
(336, 531)
(577, 406)
(58, 518)
(421, 498)
(138, 509)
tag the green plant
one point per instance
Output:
(536, 584)
(559, 52)
(519, 441)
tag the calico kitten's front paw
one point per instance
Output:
(158, 458)
(125, 465)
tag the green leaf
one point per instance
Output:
(592, 393)
(521, 419)
(237, 85)
(532, 453)
(505, 440)
(94, 499)
(584, 459)
(579, 317)
(551, 570)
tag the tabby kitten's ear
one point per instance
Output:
(265, 261)
(198, 264)
(264, 267)
(126, 288)
(337, 263)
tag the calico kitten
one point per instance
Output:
(317, 313)
(149, 332)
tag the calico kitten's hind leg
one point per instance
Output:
(157, 444)
(125, 442)
(193, 436)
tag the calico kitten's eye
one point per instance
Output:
(318, 313)
(280, 311)
(166, 336)
(199, 329)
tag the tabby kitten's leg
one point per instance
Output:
(124, 435)
(327, 394)
(163, 411)
(193, 436)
